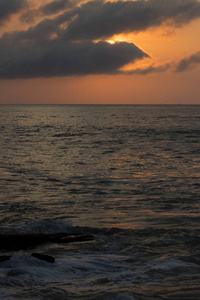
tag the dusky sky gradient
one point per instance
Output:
(100, 52)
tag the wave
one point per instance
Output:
(46, 226)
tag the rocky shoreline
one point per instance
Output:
(18, 242)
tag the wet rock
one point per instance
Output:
(44, 257)
(4, 258)
(76, 238)
(24, 241)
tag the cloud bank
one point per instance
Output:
(9, 7)
(55, 6)
(97, 19)
(47, 9)
(70, 38)
(66, 59)
(183, 65)
(188, 63)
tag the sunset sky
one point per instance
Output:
(100, 52)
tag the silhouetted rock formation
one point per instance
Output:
(24, 241)
(4, 258)
(44, 257)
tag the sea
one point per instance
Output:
(126, 174)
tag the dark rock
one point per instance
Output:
(24, 241)
(76, 238)
(20, 242)
(4, 258)
(44, 257)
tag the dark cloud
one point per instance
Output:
(188, 63)
(9, 7)
(183, 65)
(65, 59)
(42, 31)
(47, 9)
(97, 19)
(55, 6)
(64, 45)
(150, 69)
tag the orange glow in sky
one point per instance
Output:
(104, 52)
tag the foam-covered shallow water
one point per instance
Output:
(118, 264)
(128, 175)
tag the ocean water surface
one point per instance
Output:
(127, 174)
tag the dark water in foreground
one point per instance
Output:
(129, 175)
